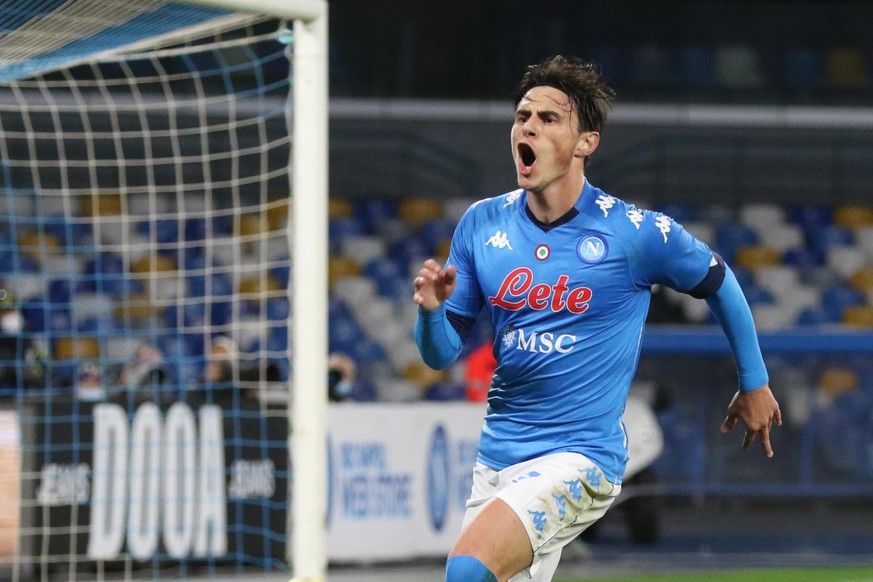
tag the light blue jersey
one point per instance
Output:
(567, 304)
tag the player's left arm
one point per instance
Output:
(754, 402)
(682, 262)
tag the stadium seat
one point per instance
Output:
(652, 66)
(761, 215)
(864, 240)
(859, 316)
(615, 64)
(845, 260)
(862, 279)
(373, 211)
(782, 237)
(341, 228)
(339, 208)
(824, 239)
(417, 211)
(69, 348)
(738, 67)
(754, 256)
(363, 248)
(100, 204)
(697, 69)
(804, 69)
(846, 69)
(278, 214)
(341, 267)
(837, 299)
(729, 238)
(423, 375)
(853, 216)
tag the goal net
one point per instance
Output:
(145, 277)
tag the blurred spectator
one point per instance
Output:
(480, 365)
(22, 356)
(89, 382)
(230, 374)
(143, 376)
(341, 374)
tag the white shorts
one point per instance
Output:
(556, 497)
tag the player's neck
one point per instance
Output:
(555, 201)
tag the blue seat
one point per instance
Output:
(373, 211)
(697, 68)
(409, 249)
(804, 68)
(681, 213)
(195, 229)
(343, 334)
(278, 308)
(803, 258)
(815, 316)
(445, 391)
(836, 299)
(824, 239)
(810, 217)
(614, 63)
(339, 229)
(730, 238)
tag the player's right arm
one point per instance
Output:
(438, 342)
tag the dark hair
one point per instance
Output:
(580, 80)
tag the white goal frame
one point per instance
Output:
(309, 243)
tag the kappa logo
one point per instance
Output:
(636, 217)
(499, 240)
(605, 202)
(513, 197)
(663, 224)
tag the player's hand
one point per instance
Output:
(759, 410)
(433, 285)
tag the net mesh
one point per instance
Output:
(144, 260)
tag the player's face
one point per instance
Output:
(546, 142)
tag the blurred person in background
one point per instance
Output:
(565, 272)
(22, 356)
(341, 374)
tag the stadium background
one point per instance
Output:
(748, 122)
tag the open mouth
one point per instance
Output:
(527, 158)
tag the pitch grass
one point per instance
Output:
(841, 574)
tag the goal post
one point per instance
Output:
(308, 405)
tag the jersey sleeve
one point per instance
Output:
(669, 255)
(466, 300)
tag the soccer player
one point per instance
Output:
(565, 272)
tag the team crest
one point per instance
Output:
(542, 252)
(592, 249)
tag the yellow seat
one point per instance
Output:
(836, 381)
(37, 245)
(100, 204)
(418, 211)
(341, 267)
(853, 216)
(278, 213)
(754, 256)
(846, 69)
(862, 279)
(339, 208)
(138, 308)
(69, 348)
(153, 264)
(859, 316)
(422, 375)
(255, 287)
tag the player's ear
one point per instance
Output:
(586, 144)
